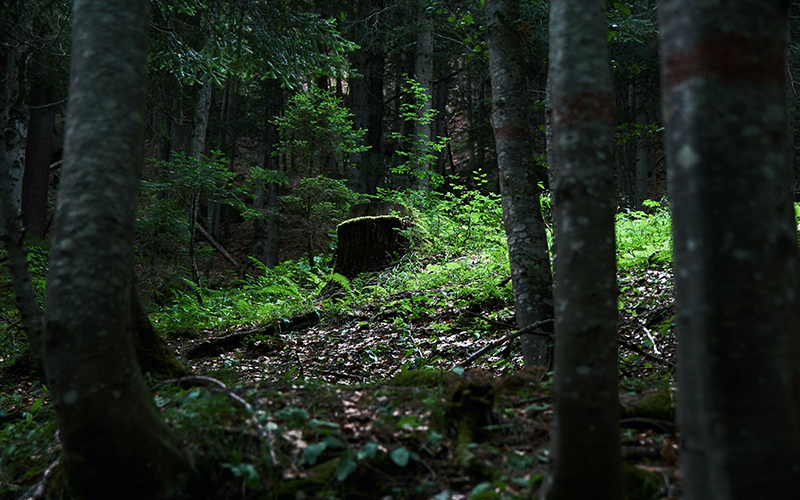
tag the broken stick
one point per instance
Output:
(532, 329)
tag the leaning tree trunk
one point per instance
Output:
(519, 188)
(587, 461)
(114, 441)
(735, 247)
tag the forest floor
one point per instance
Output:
(371, 401)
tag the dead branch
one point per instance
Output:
(218, 345)
(489, 320)
(532, 329)
(641, 352)
(220, 249)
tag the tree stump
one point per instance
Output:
(369, 244)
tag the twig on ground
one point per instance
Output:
(642, 352)
(489, 320)
(532, 329)
(340, 374)
(664, 425)
(40, 490)
(253, 419)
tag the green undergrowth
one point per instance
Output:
(644, 237)
(295, 439)
(460, 252)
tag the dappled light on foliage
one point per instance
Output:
(326, 393)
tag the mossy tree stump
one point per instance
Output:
(369, 244)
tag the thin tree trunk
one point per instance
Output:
(267, 200)
(16, 114)
(36, 181)
(423, 70)
(735, 247)
(12, 236)
(519, 189)
(115, 442)
(642, 165)
(585, 440)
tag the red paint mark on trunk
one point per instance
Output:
(583, 107)
(511, 131)
(731, 57)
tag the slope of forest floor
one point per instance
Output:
(368, 398)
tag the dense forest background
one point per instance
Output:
(287, 374)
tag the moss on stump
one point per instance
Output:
(369, 244)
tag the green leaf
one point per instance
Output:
(37, 404)
(313, 451)
(368, 450)
(400, 456)
(346, 466)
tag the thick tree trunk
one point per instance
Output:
(519, 190)
(735, 247)
(115, 443)
(153, 353)
(585, 446)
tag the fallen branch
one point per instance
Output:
(220, 249)
(220, 386)
(41, 489)
(641, 352)
(489, 320)
(532, 329)
(340, 374)
(218, 345)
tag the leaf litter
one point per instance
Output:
(335, 410)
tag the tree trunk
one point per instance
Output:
(154, 355)
(585, 444)
(423, 71)
(267, 200)
(115, 442)
(36, 182)
(642, 163)
(366, 102)
(12, 236)
(519, 190)
(16, 114)
(735, 247)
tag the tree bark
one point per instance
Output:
(115, 443)
(585, 443)
(12, 236)
(519, 189)
(735, 247)
(16, 114)
(267, 199)
(38, 151)
(423, 71)
(366, 101)
(152, 352)
(642, 164)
